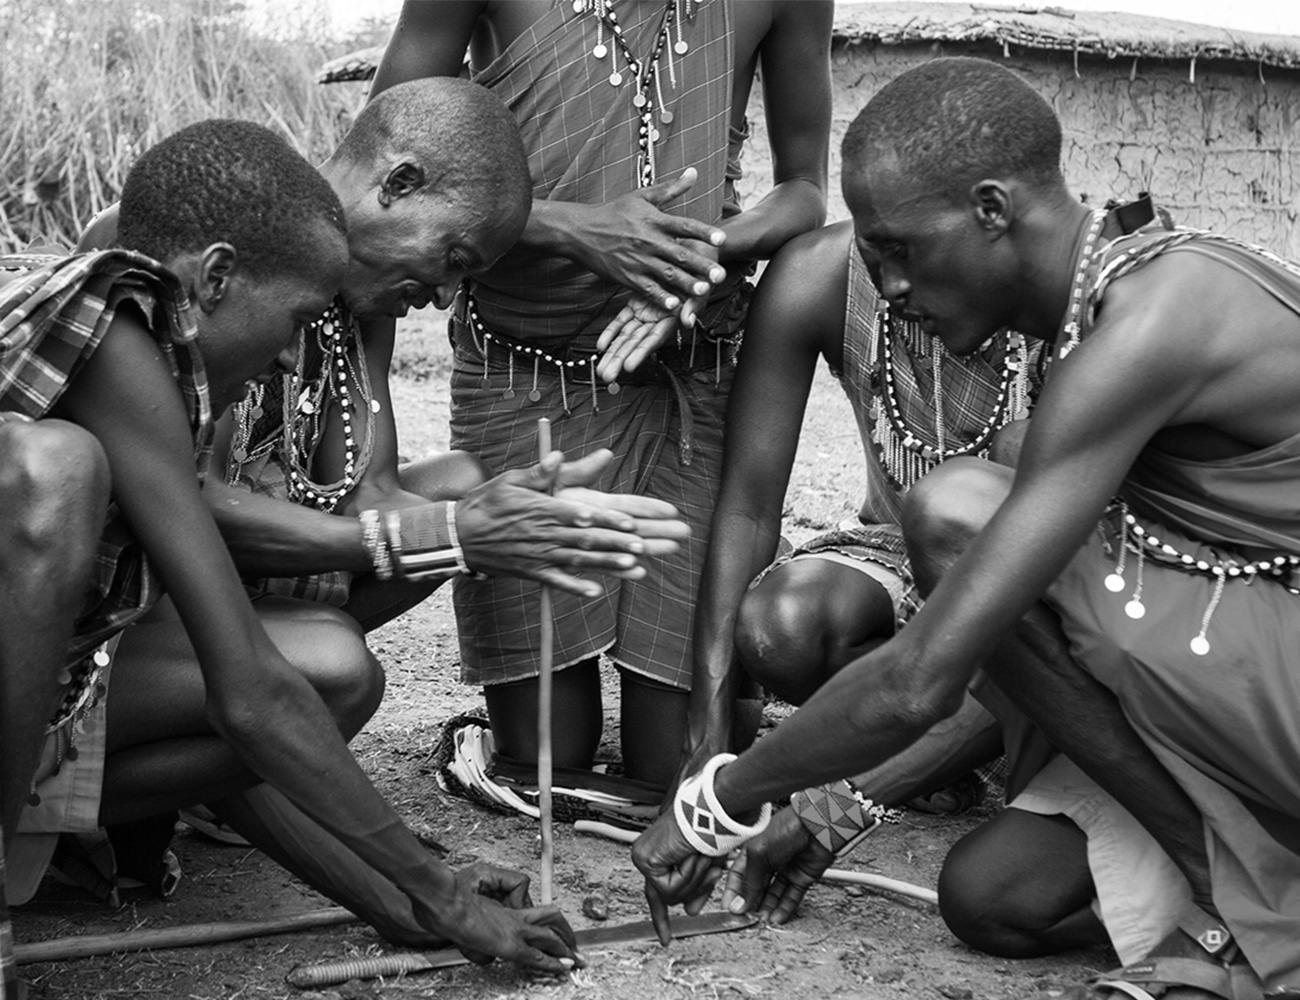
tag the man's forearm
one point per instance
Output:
(273, 537)
(862, 717)
(791, 208)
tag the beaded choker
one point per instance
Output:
(1074, 317)
(305, 404)
(904, 452)
(648, 94)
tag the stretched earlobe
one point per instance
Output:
(402, 180)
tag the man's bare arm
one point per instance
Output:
(268, 713)
(796, 79)
(797, 314)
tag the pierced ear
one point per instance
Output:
(993, 205)
(402, 180)
(214, 268)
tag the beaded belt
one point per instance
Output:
(572, 364)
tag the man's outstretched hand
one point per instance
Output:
(674, 872)
(491, 916)
(512, 525)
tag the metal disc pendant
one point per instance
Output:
(101, 657)
(613, 388)
(508, 394)
(534, 396)
(1114, 583)
(615, 78)
(255, 413)
(654, 135)
(307, 406)
(374, 406)
(578, 5)
(681, 47)
(1200, 645)
(484, 382)
(1135, 609)
(666, 116)
(65, 677)
(600, 51)
(639, 101)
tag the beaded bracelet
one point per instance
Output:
(837, 815)
(702, 820)
(376, 545)
(457, 551)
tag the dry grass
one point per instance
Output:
(86, 87)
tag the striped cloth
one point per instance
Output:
(581, 136)
(665, 426)
(667, 441)
(54, 313)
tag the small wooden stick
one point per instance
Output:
(545, 668)
(187, 935)
(835, 875)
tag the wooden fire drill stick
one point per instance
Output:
(545, 667)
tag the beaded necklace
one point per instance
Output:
(1074, 317)
(904, 453)
(305, 404)
(648, 94)
(1146, 544)
(84, 687)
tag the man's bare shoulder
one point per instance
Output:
(806, 284)
(797, 22)
(818, 260)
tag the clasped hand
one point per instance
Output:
(511, 525)
(769, 876)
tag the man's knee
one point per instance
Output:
(1007, 886)
(54, 486)
(341, 668)
(774, 627)
(947, 508)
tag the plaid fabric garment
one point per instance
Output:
(970, 386)
(581, 136)
(645, 624)
(53, 315)
(8, 967)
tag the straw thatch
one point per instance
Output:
(1092, 32)
(1103, 33)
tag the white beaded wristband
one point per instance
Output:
(702, 820)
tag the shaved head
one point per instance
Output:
(952, 122)
(457, 133)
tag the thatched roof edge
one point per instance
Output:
(1113, 35)
(1110, 34)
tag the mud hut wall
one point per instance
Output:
(1217, 146)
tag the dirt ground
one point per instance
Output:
(848, 942)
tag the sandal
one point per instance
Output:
(959, 797)
(1223, 972)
